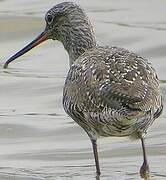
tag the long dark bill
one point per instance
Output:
(42, 37)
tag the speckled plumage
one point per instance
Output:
(112, 92)
(109, 91)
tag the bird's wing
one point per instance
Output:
(113, 77)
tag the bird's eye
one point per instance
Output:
(49, 18)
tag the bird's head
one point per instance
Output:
(64, 19)
(63, 23)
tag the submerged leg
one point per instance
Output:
(144, 170)
(94, 145)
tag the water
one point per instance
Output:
(38, 141)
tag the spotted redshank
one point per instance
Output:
(109, 91)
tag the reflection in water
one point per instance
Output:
(38, 140)
(97, 177)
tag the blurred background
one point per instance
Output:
(38, 140)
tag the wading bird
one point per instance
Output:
(109, 91)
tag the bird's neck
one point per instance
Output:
(78, 39)
(78, 47)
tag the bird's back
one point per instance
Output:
(112, 92)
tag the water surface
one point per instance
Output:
(38, 141)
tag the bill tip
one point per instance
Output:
(5, 66)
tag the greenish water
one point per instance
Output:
(38, 141)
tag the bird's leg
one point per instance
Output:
(94, 145)
(144, 170)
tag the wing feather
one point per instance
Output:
(112, 78)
